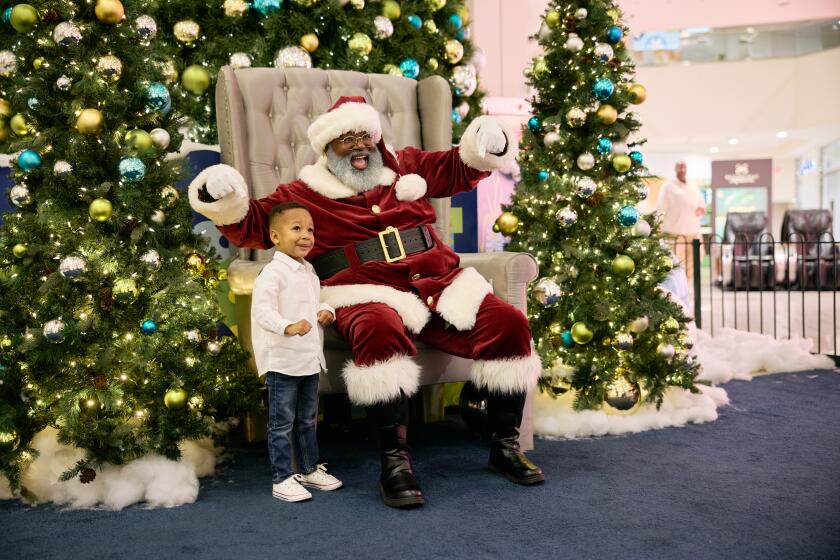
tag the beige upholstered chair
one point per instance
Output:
(263, 116)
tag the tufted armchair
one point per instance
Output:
(752, 264)
(263, 115)
(808, 235)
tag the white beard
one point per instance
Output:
(358, 180)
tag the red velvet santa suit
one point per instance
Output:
(381, 307)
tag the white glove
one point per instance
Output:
(490, 138)
(223, 180)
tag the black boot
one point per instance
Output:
(397, 484)
(505, 415)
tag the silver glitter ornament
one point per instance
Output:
(214, 348)
(160, 138)
(384, 27)
(585, 187)
(235, 8)
(146, 27)
(665, 350)
(110, 67)
(62, 168)
(586, 161)
(566, 216)
(186, 31)
(54, 330)
(575, 117)
(20, 196)
(642, 191)
(8, 63)
(292, 57)
(603, 52)
(72, 266)
(66, 34)
(623, 341)
(547, 291)
(240, 60)
(151, 258)
(464, 78)
(63, 83)
(192, 336)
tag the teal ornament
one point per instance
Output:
(628, 216)
(457, 92)
(456, 116)
(461, 34)
(542, 176)
(603, 88)
(455, 22)
(415, 21)
(614, 34)
(33, 103)
(266, 7)
(29, 160)
(149, 327)
(604, 145)
(132, 169)
(7, 15)
(410, 68)
(566, 337)
(637, 157)
(534, 124)
(157, 97)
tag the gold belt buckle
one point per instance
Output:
(396, 232)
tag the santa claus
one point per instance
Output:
(391, 279)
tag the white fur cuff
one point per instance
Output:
(411, 310)
(507, 376)
(230, 209)
(460, 301)
(411, 187)
(468, 148)
(382, 381)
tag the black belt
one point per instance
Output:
(391, 245)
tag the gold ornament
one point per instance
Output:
(195, 79)
(125, 290)
(169, 71)
(430, 26)
(540, 67)
(622, 163)
(89, 121)
(5, 108)
(581, 333)
(507, 223)
(4, 131)
(9, 441)
(607, 114)
(669, 326)
(186, 31)
(309, 42)
(552, 18)
(20, 250)
(138, 139)
(623, 265)
(464, 13)
(110, 12)
(392, 69)
(391, 9)
(436, 5)
(175, 399)
(195, 263)
(667, 262)
(170, 196)
(19, 125)
(622, 397)
(637, 93)
(432, 64)
(235, 8)
(360, 44)
(454, 51)
(100, 209)
(24, 18)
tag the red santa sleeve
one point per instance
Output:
(252, 230)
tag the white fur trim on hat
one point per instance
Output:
(508, 375)
(460, 301)
(468, 148)
(320, 179)
(348, 117)
(381, 381)
(411, 187)
(230, 209)
(411, 310)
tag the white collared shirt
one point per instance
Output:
(286, 291)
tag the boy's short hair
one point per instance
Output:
(282, 207)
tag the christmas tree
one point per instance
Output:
(412, 38)
(596, 312)
(109, 320)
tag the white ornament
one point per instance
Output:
(551, 138)
(213, 348)
(240, 60)
(62, 168)
(603, 52)
(193, 336)
(160, 138)
(8, 63)
(544, 32)
(581, 13)
(158, 216)
(639, 325)
(20, 196)
(384, 27)
(574, 43)
(619, 147)
(63, 83)
(665, 350)
(72, 266)
(151, 258)
(54, 330)
(641, 229)
(292, 57)
(66, 34)
(566, 216)
(586, 161)
(585, 187)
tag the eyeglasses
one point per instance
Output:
(352, 141)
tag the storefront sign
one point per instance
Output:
(742, 173)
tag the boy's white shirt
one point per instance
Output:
(285, 292)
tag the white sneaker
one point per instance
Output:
(320, 479)
(290, 490)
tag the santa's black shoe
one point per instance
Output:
(507, 459)
(397, 484)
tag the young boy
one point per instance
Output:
(289, 352)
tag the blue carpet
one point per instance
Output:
(762, 482)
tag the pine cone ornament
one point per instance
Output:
(100, 382)
(87, 475)
(594, 200)
(106, 301)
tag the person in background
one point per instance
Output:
(680, 206)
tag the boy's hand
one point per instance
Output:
(300, 328)
(325, 317)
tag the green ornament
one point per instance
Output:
(391, 9)
(623, 265)
(622, 163)
(360, 44)
(20, 250)
(195, 79)
(669, 325)
(392, 69)
(138, 139)
(24, 18)
(581, 333)
(552, 18)
(175, 399)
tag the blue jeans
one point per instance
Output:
(292, 406)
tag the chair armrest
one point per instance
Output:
(509, 273)
(242, 274)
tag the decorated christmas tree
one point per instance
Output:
(109, 327)
(412, 38)
(601, 324)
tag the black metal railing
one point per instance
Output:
(755, 283)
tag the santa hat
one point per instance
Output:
(353, 114)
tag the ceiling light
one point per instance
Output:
(714, 149)
(733, 141)
(781, 134)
